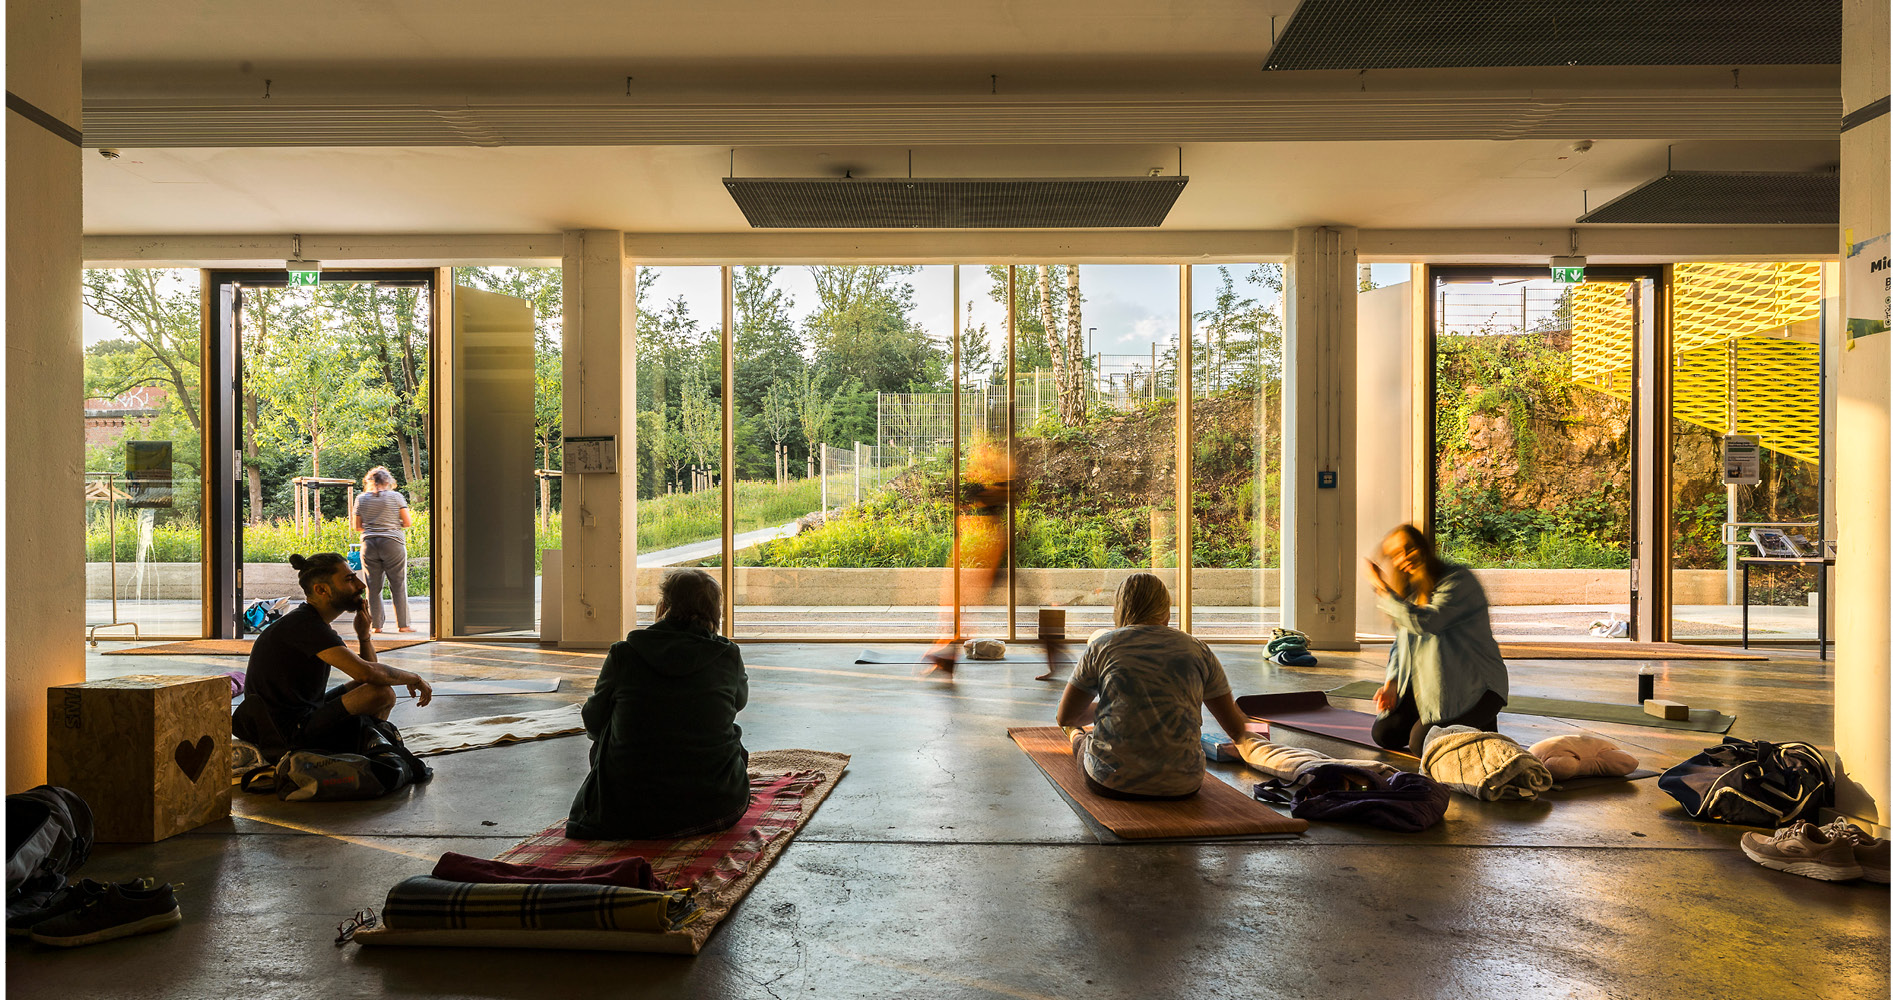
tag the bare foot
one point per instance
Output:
(405, 630)
(1048, 675)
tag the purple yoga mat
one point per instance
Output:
(1309, 711)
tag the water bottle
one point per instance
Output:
(1646, 683)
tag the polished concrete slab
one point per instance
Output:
(944, 865)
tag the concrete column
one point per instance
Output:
(1861, 571)
(45, 593)
(599, 534)
(1318, 376)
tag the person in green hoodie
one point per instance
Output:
(1445, 668)
(667, 755)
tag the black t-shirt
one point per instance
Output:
(287, 675)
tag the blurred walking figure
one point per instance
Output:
(984, 528)
(382, 516)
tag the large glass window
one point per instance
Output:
(1095, 489)
(1747, 360)
(679, 423)
(843, 514)
(144, 473)
(1236, 449)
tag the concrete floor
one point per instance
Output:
(944, 865)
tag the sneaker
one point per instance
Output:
(122, 910)
(59, 903)
(1803, 849)
(1871, 852)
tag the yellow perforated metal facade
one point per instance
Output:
(1754, 307)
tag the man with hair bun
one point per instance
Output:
(285, 706)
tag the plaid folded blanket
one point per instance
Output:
(426, 903)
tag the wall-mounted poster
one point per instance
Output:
(594, 456)
(1869, 288)
(1741, 459)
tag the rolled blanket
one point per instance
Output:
(1338, 793)
(1291, 765)
(1488, 766)
(631, 873)
(427, 903)
(1582, 757)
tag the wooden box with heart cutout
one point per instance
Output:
(150, 754)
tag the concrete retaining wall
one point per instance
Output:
(923, 587)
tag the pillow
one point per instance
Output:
(1583, 757)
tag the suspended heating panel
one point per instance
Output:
(974, 203)
(1438, 34)
(1709, 198)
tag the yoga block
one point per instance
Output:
(1666, 709)
(149, 754)
(1051, 623)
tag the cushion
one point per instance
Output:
(1583, 756)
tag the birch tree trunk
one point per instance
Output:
(1048, 318)
(1071, 395)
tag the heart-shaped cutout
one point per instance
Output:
(191, 757)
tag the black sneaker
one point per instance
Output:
(61, 903)
(122, 910)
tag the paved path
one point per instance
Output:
(714, 546)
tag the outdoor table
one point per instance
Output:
(1820, 592)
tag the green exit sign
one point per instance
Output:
(1567, 275)
(302, 273)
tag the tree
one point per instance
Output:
(1050, 330)
(316, 396)
(976, 352)
(700, 419)
(862, 332)
(814, 409)
(159, 315)
(778, 420)
(390, 327)
(767, 348)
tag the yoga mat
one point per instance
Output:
(786, 786)
(431, 738)
(1014, 654)
(513, 685)
(235, 647)
(1309, 711)
(1701, 720)
(1218, 810)
(1613, 649)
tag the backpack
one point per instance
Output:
(1752, 784)
(49, 835)
(384, 765)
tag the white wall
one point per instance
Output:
(1384, 467)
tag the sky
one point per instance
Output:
(1127, 307)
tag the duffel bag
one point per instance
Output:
(1752, 783)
